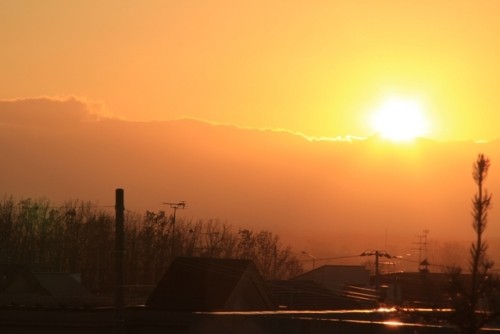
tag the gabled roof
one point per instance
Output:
(207, 284)
(28, 288)
(61, 285)
(308, 295)
(334, 277)
(49, 284)
(330, 269)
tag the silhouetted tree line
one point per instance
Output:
(79, 237)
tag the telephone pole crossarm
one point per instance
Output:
(377, 255)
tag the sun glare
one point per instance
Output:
(400, 120)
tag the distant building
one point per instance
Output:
(336, 277)
(210, 284)
(417, 289)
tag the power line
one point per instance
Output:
(337, 257)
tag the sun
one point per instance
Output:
(400, 120)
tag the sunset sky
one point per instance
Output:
(322, 68)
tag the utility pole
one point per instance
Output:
(119, 253)
(175, 206)
(377, 254)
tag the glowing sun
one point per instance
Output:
(400, 120)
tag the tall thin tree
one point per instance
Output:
(475, 304)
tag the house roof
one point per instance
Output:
(25, 287)
(207, 284)
(49, 284)
(61, 285)
(308, 295)
(333, 269)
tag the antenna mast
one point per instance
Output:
(423, 263)
(175, 206)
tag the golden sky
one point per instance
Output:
(318, 67)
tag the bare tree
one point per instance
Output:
(78, 237)
(273, 260)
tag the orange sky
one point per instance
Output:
(317, 67)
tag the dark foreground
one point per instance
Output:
(141, 320)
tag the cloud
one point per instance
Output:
(70, 111)
(347, 138)
(48, 111)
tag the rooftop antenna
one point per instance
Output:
(175, 206)
(423, 263)
(385, 239)
(312, 257)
